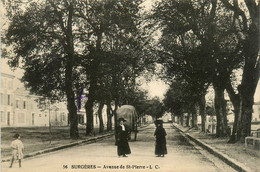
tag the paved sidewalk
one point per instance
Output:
(235, 155)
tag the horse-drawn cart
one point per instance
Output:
(129, 113)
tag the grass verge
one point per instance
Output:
(38, 138)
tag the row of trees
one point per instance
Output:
(204, 43)
(74, 48)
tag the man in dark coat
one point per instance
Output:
(122, 136)
(160, 146)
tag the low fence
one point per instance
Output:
(254, 140)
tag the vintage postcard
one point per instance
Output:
(130, 85)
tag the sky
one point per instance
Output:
(156, 88)
(257, 92)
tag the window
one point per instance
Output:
(8, 118)
(10, 84)
(24, 104)
(32, 118)
(56, 117)
(63, 116)
(8, 99)
(21, 118)
(2, 98)
(16, 103)
(2, 117)
(32, 105)
(2, 83)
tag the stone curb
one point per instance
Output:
(225, 158)
(88, 141)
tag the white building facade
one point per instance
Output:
(19, 108)
(256, 112)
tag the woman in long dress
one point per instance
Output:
(122, 139)
(160, 146)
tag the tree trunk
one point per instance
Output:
(109, 116)
(100, 117)
(250, 73)
(247, 109)
(251, 64)
(115, 120)
(89, 108)
(224, 114)
(239, 119)
(248, 88)
(188, 120)
(74, 133)
(235, 99)
(140, 121)
(233, 137)
(89, 116)
(93, 84)
(71, 106)
(181, 119)
(220, 108)
(202, 112)
(219, 128)
(115, 95)
(194, 121)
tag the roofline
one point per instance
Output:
(7, 75)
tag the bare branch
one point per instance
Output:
(237, 11)
(58, 13)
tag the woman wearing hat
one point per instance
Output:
(122, 139)
(160, 145)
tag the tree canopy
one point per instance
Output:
(99, 48)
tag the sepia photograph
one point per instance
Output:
(130, 85)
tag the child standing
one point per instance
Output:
(17, 150)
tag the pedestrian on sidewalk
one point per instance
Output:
(17, 150)
(122, 136)
(160, 144)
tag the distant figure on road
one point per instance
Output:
(17, 150)
(160, 146)
(122, 136)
